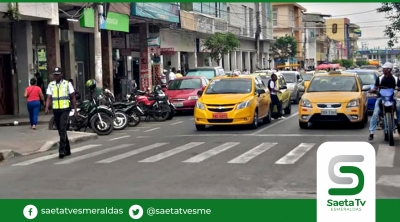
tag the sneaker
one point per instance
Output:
(371, 137)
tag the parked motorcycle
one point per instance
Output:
(131, 109)
(386, 114)
(90, 114)
(154, 104)
(119, 116)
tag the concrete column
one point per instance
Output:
(106, 50)
(53, 51)
(192, 59)
(387, 58)
(239, 60)
(145, 60)
(233, 61)
(247, 60)
(227, 62)
(254, 59)
(69, 54)
(176, 60)
(24, 57)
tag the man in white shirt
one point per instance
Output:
(273, 89)
(171, 75)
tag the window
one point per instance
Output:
(207, 73)
(333, 84)
(245, 28)
(291, 17)
(275, 17)
(182, 84)
(230, 86)
(251, 20)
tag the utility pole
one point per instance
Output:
(304, 45)
(98, 14)
(328, 48)
(258, 33)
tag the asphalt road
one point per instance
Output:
(172, 160)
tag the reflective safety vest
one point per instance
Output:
(60, 95)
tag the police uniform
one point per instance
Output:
(60, 93)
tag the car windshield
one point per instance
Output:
(333, 84)
(367, 78)
(265, 79)
(229, 86)
(307, 77)
(182, 84)
(369, 67)
(208, 73)
(290, 77)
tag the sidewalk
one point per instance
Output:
(22, 120)
(21, 140)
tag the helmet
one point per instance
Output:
(91, 84)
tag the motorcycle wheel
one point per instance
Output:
(161, 112)
(390, 130)
(120, 121)
(97, 127)
(134, 119)
(171, 114)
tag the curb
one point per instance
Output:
(49, 145)
(24, 123)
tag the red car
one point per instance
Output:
(182, 92)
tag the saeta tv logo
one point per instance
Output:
(346, 181)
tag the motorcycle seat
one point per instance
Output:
(121, 103)
(140, 92)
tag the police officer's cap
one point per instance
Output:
(57, 71)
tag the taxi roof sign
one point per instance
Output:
(335, 72)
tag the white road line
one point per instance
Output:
(131, 153)
(44, 158)
(205, 155)
(118, 138)
(295, 154)
(245, 157)
(176, 123)
(385, 156)
(171, 152)
(89, 155)
(276, 123)
(140, 137)
(152, 129)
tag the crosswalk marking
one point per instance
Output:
(385, 156)
(131, 153)
(247, 156)
(171, 152)
(295, 154)
(44, 158)
(205, 155)
(89, 155)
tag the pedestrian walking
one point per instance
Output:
(34, 96)
(61, 92)
(273, 89)
(171, 75)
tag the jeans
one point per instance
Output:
(33, 109)
(375, 115)
(275, 102)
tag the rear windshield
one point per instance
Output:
(229, 86)
(182, 84)
(208, 73)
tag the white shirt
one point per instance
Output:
(50, 88)
(163, 79)
(171, 76)
(272, 85)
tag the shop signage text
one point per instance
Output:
(114, 21)
(188, 21)
(159, 11)
(153, 41)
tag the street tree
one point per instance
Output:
(220, 44)
(285, 47)
(392, 12)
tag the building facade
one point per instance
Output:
(353, 36)
(338, 30)
(288, 20)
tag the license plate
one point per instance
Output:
(220, 116)
(329, 112)
(178, 104)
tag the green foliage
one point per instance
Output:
(347, 63)
(392, 13)
(12, 13)
(336, 61)
(285, 47)
(220, 44)
(362, 62)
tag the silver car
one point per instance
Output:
(293, 81)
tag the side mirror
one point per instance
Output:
(200, 92)
(366, 87)
(301, 89)
(283, 87)
(260, 91)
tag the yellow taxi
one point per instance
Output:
(334, 97)
(233, 100)
(307, 77)
(284, 96)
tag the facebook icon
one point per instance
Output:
(30, 212)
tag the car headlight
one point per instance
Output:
(306, 103)
(200, 105)
(193, 98)
(243, 104)
(354, 103)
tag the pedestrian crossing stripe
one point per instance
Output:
(384, 157)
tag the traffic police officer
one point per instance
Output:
(61, 93)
